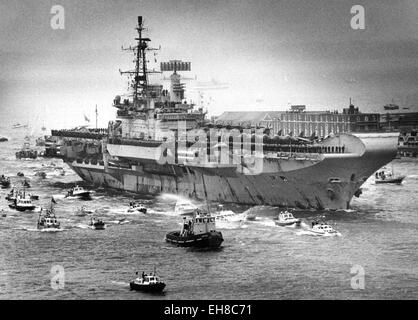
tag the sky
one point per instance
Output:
(271, 53)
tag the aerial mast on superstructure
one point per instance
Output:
(140, 81)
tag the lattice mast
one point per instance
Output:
(140, 80)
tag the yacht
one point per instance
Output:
(285, 218)
(322, 228)
(228, 218)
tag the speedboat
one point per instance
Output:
(147, 283)
(22, 204)
(97, 224)
(285, 218)
(78, 192)
(200, 232)
(137, 207)
(323, 229)
(48, 220)
(184, 207)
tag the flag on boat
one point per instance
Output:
(86, 119)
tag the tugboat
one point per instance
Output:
(22, 203)
(147, 283)
(97, 224)
(133, 206)
(285, 218)
(49, 220)
(322, 228)
(78, 192)
(197, 232)
(5, 181)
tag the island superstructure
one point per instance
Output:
(159, 143)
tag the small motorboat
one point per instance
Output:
(5, 181)
(147, 283)
(41, 174)
(228, 218)
(322, 228)
(20, 174)
(22, 204)
(199, 232)
(26, 184)
(81, 212)
(3, 139)
(285, 218)
(79, 192)
(97, 224)
(184, 207)
(137, 207)
(48, 220)
(18, 125)
(3, 214)
(384, 176)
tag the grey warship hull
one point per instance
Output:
(328, 181)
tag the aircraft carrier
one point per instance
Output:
(159, 143)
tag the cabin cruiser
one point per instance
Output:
(48, 220)
(200, 232)
(285, 218)
(322, 228)
(147, 283)
(5, 181)
(388, 177)
(137, 207)
(97, 224)
(78, 192)
(184, 207)
(23, 203)
(227, 218)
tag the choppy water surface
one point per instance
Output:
(259, 261)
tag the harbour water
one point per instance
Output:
(258, 261)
